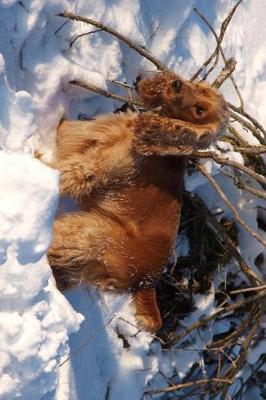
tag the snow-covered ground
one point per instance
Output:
(36, 63)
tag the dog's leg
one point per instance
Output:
(78, 175)
(155, 134)
(146, 309)
(77, 252)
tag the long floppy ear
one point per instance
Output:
(159, 135)
(150, 90)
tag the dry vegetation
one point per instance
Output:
(213, 244)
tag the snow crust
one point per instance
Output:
(108, 357)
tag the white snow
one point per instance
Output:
(36, 64)
(35, 319)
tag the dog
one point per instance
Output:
(126, 173)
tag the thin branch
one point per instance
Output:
(81, 35)
(91, 337)
(218, 313)
(251, 150)
(105, 93)
(221, 51)
(249, 289)
(225, 73)
(237, 135)
(245, 383)
(236, 334)
(139, 49)
(219, 41)
(219, 231)
(230, 205)
(259, 193)
(253, 191)
(61, 27)
(248, 116)
(241, 359)
(247, 125)
(224, 161)
(123, 84)
(187, 385)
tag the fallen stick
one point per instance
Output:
(218, 313)
(224, 161)
(133, 45)
(230, 205)
(223, 28)
(185, 385)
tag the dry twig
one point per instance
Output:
(185, 385)
(105, 93)
(81, 35)
(221, 50)
(230, 205)
(219, 41)
(250, 126)
(139, 49)
(225, 73)
(248, 116)
(242, 186)
(219, 231)
(218, 313)
(249, 289)
(224, 161)
(91, 337)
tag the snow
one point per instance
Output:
(39, 358)
(35, 319)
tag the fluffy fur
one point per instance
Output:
(127, 174)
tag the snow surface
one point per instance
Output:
(36, 64)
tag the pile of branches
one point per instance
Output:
(213, 240)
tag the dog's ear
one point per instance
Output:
(158, 135)
(150, 90)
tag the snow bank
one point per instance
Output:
(35, 319)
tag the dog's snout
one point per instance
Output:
(177, 85)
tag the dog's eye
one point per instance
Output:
(177, 85)
(199, 111)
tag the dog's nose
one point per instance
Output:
(136, 82)
(177, 85)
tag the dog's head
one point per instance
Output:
(194, 102)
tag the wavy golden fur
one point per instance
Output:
(126, 172)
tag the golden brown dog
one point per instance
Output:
(127, 174)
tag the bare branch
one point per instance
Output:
(185, 385)
(241, 359)
(83, 34)
(219, 313)
(230, 205)
(224, 161)
(249, 289)
(91, 337)
(242, 186)
(248, 125)
(221, 51)
(237, 135)
(61, 27)
(248, 116)
(105, 93)
(139, 49)
(219, 41)
(252, 150)
(225, 73)
(220, 232)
